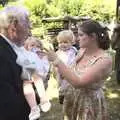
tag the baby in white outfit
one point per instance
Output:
(28, 60)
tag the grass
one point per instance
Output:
(112, 94)
(56, 110)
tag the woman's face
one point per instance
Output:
(84, 39)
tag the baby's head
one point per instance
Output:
(32, 43)
(65, 39)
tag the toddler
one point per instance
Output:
(66, 52)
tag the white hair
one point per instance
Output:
(13, 14)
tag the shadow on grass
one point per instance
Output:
(112, 93)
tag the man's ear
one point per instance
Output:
(12, 28)
(13, 25)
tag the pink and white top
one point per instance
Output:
(68, 58)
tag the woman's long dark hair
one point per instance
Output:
(91, 26)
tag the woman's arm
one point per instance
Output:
(96, 72)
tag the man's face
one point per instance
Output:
(22, 32)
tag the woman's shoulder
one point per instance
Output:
(104, 59)
(106, 55)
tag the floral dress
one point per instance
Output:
(86, 103)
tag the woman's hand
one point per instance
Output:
(52, 56)
(80, 54)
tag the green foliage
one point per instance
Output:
(38, 10)
(38, 7)
(101, 10)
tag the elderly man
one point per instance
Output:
(14, 29)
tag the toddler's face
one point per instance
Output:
(38, 51)
(31, 45)
(64, 45)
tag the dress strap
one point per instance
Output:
(95, 59)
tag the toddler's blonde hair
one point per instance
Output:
(66, 35)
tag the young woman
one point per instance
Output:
(84, 98)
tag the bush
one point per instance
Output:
(101, 10)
